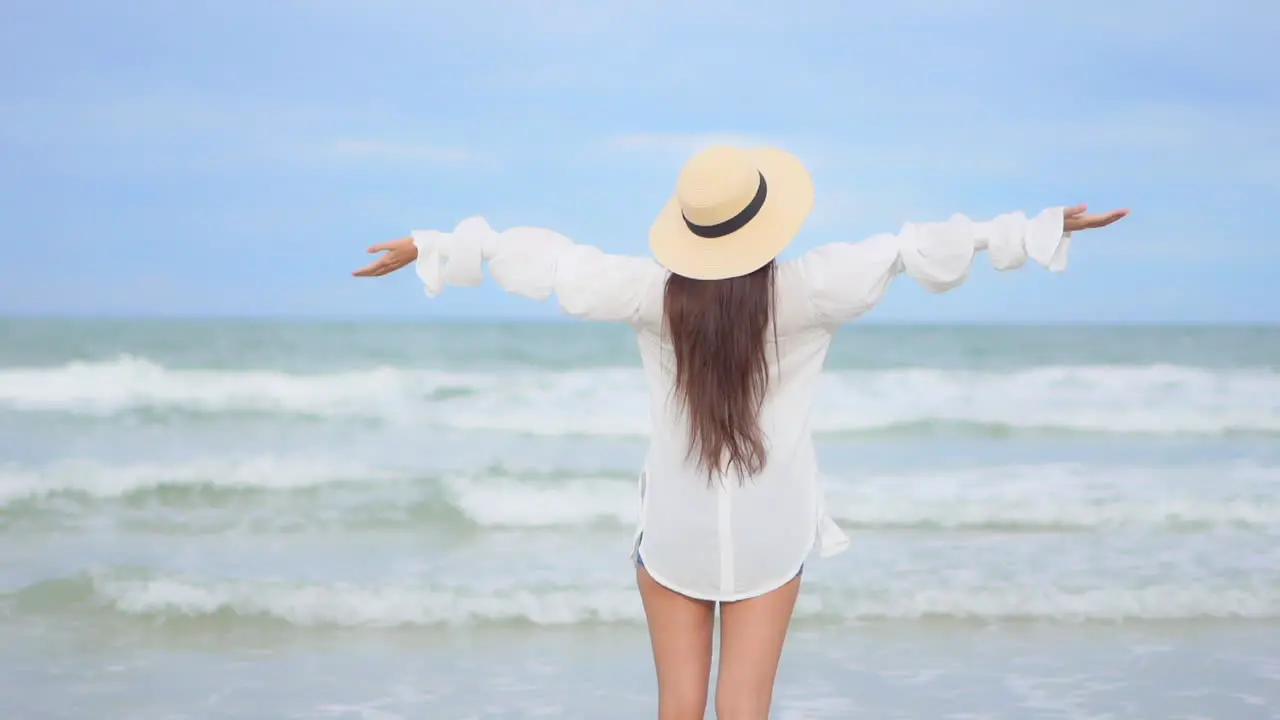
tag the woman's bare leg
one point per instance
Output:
(680, 630)
(752, 633)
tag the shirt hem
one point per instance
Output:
(737, 597)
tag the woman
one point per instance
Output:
(732, 343)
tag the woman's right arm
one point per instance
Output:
(528, 261)
(845, 280)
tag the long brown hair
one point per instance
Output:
(718, 329)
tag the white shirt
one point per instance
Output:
(734, 540)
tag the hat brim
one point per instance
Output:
(786, 207)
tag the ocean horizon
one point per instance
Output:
(430, 517)
(554, 317)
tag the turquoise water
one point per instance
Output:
(257, 519)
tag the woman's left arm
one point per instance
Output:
(528, 261)
(844, 280)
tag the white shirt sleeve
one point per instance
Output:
(537, 263)
(845, 280)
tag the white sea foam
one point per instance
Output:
(1028, 497)
(107, 480)
(612, 401)
(1063, 496)
(387, 605)
(133, 383)
(1047, 496)
(347, 604)
(508, 502)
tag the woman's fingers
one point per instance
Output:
(383, 265)
(370, 270)
(1098, 220)
(1088, 221)
(1114, 215)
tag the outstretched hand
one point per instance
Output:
(1079, 218)
(399, 253)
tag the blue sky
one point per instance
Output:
(236, 157)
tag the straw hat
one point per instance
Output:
(734, 210)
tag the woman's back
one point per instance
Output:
(729, 535)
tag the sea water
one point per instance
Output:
(234, 519)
